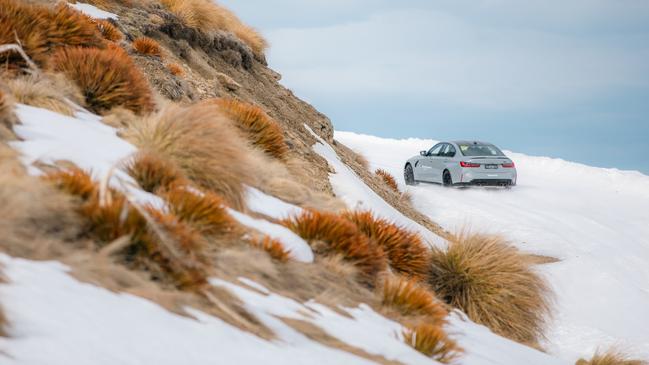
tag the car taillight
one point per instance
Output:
(509, 165)
(469, 164)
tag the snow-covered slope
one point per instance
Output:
(596, 221)
(56, 319)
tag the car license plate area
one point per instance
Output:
(491, 167)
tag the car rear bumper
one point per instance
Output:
(488, 182)
(488, 178)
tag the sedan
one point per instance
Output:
(461, 163)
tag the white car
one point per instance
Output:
(461, 163)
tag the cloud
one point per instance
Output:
(451, 59)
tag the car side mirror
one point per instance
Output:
(423, 153)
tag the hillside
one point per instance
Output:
(165, 199)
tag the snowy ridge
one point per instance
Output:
(594, 220)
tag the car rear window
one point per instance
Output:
(480, 150)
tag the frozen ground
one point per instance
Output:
(596, 221)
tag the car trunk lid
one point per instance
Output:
(489, 163)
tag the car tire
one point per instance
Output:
(447, 180)
(409, 175)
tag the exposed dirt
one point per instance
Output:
(218, 65)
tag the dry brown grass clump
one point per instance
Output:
(205, 211)
(153, 172)
(207, 16)
(360, 160)
(494, 284)
(42, 29)
(147, 46)
(262, 131)
(158, 241)
(388, 179)
(202, 144)
(611, 357)
(7, 116)
(432, 340)
(52, 92)
(273, 247)
(405, 250)
(108, 30)
(107, 78)
(330, 234)
(176, 249)
(176, 69)
(35, 216)
(410, 298)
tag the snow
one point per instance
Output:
(262, 203)
(351, 189)
(255, 285)
(49, 137)
(93, 12)
(594, 220)
(363, 329)
(482, 347)
(297, 247)
(57, 320)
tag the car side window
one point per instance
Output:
(450, 151)
(442, 152)
(435, 150)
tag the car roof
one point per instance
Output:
(471, 142)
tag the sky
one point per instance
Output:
(567, 79)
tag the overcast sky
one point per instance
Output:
(565, 78)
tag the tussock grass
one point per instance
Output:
(207, 16)
(261, 130)
(177, 249)
(494, 284)
(42, 29)
(361, 160)
(205, 211)
(330, 234)
(202, 144)
(431, 340)
(108, 78)
(611, 357)
(388, 179)
(147, 46)
(108, 30)
(176, 69)
(35, 216)
(153, 172)
(7, 116)
(405, 250)
(273, 247)
(410, 298)
(158, 241)
(48, 92)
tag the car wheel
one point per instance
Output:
(409, 175)
(446, 178)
